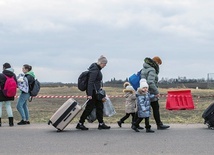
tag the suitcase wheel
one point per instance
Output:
(49, 122)
(59, 130)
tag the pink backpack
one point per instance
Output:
(10, 87)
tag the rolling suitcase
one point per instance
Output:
(65, 114)
(208, 116)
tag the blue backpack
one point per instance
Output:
(134, 79)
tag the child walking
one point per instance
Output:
(143, 106)
(130, 104)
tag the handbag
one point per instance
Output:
(100, 94)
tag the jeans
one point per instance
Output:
(8, 108)
(22, 106)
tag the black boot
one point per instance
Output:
(162, 127)
(0, 122)
(119, 123)
(134, 127)
(10, 121)
(149, 130)
(140, 128)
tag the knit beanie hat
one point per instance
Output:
(143, 83)
(102, 60)
(157, 60)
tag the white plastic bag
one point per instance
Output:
(108, 108)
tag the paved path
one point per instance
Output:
(42, 139)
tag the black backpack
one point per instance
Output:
(35, 88)
(83, 81)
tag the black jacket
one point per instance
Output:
(95, 78)
(2, 82)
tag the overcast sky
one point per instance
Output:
(61, 38)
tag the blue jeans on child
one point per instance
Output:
(22, 106)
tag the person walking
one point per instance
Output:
(143, 106)
(9, 72)
(130, 104)
(22, 104)
(94, 84)
(150, 72)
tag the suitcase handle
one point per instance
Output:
(85, 103)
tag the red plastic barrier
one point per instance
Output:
(179, 100)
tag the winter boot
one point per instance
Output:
(120, 123)
(134, 127)
(10, 121)
(148, 129)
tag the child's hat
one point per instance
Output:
(143, 83)
(128, 89)
(126, 84)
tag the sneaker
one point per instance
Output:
(81, 127)
(135, 128)
(27, 122)
(22, 122)
(103, 126)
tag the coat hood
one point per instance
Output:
(31, 73)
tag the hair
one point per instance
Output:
(6, 65)
(102, 59)
(28, 67)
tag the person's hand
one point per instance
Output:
(89, 97)
(158, 95)
(104, 99)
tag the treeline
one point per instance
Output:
(163, 83)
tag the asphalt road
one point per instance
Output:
(42, 139)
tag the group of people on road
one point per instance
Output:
(138, 103)
(24, 82)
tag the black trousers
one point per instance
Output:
(90, 106)
(138, 121)
(156, 112)
(127, 116)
